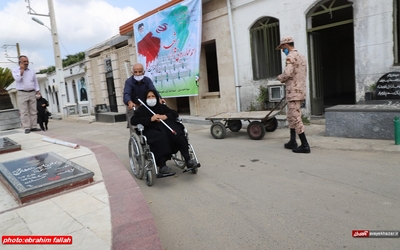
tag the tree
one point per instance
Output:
(71, 59)
(6, 79)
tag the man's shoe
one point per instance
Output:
(291, 144)
(27, 131)
(165, 169)
(35, 129)
(302, 149)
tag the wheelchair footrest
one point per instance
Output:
(160, 175)
(190, 169)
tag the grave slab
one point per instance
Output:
(362, 121)
(7, 145)
(38, 176)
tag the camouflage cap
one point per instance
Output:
(285, 40)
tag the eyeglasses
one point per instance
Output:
(138, 72)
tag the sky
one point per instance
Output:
(81, 24)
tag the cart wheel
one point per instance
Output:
(256, 130)
(149, 178)
(271, 124)
(218, 130)
(235, 125)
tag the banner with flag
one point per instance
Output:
(168, 44)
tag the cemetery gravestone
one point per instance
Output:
(388, 86)
(41, 175)
(7, 145)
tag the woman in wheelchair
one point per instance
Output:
(163, 143)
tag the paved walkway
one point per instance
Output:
(110, 213)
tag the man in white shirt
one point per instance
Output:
(28, 87)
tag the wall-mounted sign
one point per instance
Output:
(388, 86)
(168, 44)
(107, 65)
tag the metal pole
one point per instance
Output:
(57, 58)
(18, 51)
(235, 66)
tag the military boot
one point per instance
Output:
(304, 147)
(292, 143)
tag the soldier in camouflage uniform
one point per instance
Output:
(294, 77)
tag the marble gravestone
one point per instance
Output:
(7, 145)
(41, 175)
(388, 86)
(371, 119)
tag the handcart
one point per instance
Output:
(259, 122)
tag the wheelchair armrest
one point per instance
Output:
(140, 127)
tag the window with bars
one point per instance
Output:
(264, 38)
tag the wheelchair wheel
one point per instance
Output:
(149, 178)
(256, 130)
(136, 156)
(235, 125)
(193, 157)
(218, 130)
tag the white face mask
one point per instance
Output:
(138, 78)
(38, 96)
(151, 102)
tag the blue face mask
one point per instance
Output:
(286, 51)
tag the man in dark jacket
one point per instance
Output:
(136, 86)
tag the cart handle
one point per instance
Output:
(267, 116)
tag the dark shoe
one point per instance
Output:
(191, 164)
(291, 145)
(27, 131)
(165, 169)
(302, 149)
(35, 129)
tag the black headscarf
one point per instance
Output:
(158, 109)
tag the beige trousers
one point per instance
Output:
(27, 109)
(294, 116)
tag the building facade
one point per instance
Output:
(77, 95)
(349, 45)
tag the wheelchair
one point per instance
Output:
(142, 160)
